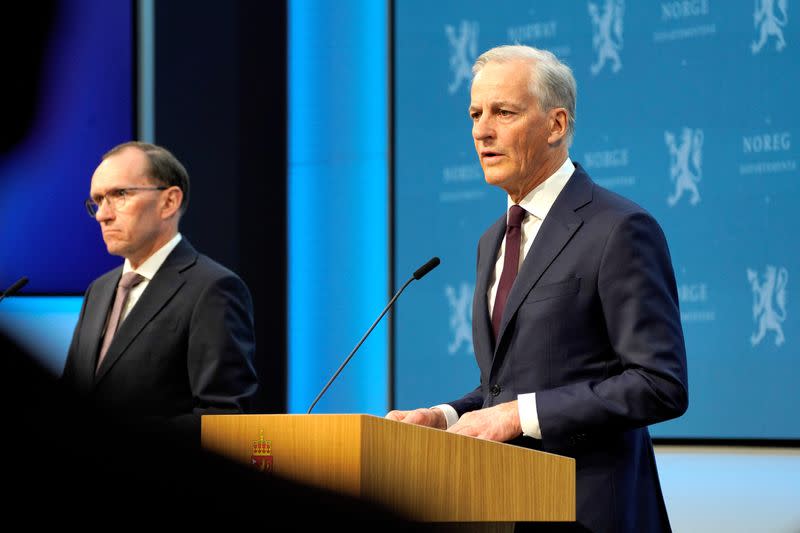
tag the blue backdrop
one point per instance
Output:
(85, 106)
(686, 107)
(337, 202)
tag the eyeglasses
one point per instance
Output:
(115, 199)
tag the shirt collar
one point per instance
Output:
(149, 268)
(539, 201)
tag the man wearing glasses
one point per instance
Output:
(168, 335)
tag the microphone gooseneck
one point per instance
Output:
(21, 282)
(418, 274)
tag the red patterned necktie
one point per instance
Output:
(510, 264)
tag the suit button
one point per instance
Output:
(495, 390)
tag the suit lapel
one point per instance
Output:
(484, 337)
(558, 228)
(162, 288)
(96, 316)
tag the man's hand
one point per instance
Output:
(432, 418)
(499, 423)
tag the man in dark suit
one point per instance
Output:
(168, 335)
(576, 327)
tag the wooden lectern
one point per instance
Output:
(427, 475)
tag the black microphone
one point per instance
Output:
(427, 267)
(21, 282)
(418, 274)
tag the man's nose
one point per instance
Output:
(104, 212)
(482, 128)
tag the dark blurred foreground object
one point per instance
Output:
(68, 465)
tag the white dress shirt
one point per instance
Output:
(147, 270)
(537, 204)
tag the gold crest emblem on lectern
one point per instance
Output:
(261, 457)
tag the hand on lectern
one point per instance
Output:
(499, 423)
(433, 418)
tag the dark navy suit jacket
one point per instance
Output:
(185, 349)
(591, 326)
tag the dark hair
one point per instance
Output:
(165, 168)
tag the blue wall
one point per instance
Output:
(84, 106)
(43, 325)
(338, 281)
(673, 98)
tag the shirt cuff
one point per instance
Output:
(528, 416)
(449, 413)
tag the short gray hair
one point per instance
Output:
(552, 82)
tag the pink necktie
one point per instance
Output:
(510, 265)
(126, 283)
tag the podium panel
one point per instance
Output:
(425, 474)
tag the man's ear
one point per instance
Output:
(557, 121)
(171, 202)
